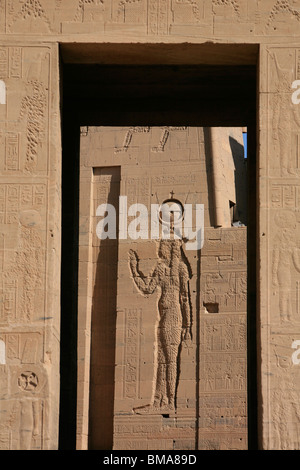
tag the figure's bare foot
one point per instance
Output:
(146, 409)
(154, 409)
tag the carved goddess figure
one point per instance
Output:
(171, 276)
(285, 118)
(285, 260)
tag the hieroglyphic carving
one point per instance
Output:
(30, 11)
(15, 198)
(79, 15)
(16, 62)
(132, 351)
(23, 204)
(226, 412)
(224, 333)
(9, 203)
(164, 137)
(2, 251)
(282, 6)
(27, 413)
(87, 16)
(284, 399)
(30, 261)
(122, 9)
(223, 341)
(22, 273)
(30, 421)
(231, 3)
(298, 64)
(23, 347)
(195, 8)
(33, 106)
(171, 276)
(3, 62)
(158, 17)
(23, 142)
(276, 16)
(168, 180)
(137, 189)
(285, 196)
(24, 411)
(11, 62)
(2, 16)
(128, 137)
(227, 290)
(8, 295)
(28, 381)
(5, 438)
(285, 117)
(12, 151)
(285, 258)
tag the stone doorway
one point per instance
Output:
(86, 115)
(162, 319)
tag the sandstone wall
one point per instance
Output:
(30, 192)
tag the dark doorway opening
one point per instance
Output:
(153, 85)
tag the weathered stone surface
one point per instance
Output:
(96, 31)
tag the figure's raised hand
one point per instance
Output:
(133, 260)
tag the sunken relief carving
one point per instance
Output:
(171, 277)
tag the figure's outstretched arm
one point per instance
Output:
(146, 284)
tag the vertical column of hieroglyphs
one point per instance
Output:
(59, 16)
(27, 234)
(279, 239)
(223, 340)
